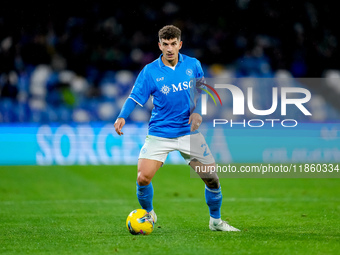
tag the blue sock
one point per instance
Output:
(145, 196)
(213, 197)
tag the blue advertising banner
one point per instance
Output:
(98, 143)
(307, 142)
(67, 144)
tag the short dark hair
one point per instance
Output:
(169, 32)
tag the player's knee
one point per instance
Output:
(212, 183)
(143, 180)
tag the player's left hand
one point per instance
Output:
(195, 119)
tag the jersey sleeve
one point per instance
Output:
(199, 75)
(199, 70)
(200, 88)
(141, 90)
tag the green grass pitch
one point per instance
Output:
(82, 210)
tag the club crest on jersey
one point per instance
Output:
(189, 72)
(165, 89)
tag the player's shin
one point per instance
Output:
(145, 196)
(213, 197)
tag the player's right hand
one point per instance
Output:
(120, 122)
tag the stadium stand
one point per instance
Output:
(77, 64)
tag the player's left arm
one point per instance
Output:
(195, 118)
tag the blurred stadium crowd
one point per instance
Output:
(64, 64)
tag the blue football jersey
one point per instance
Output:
(173, 94)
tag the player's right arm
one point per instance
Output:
(119, 124)
(128, 107)
(139, 95)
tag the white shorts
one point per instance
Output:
(190, 146)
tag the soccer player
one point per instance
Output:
(173, 123)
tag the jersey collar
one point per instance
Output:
(161, 64)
